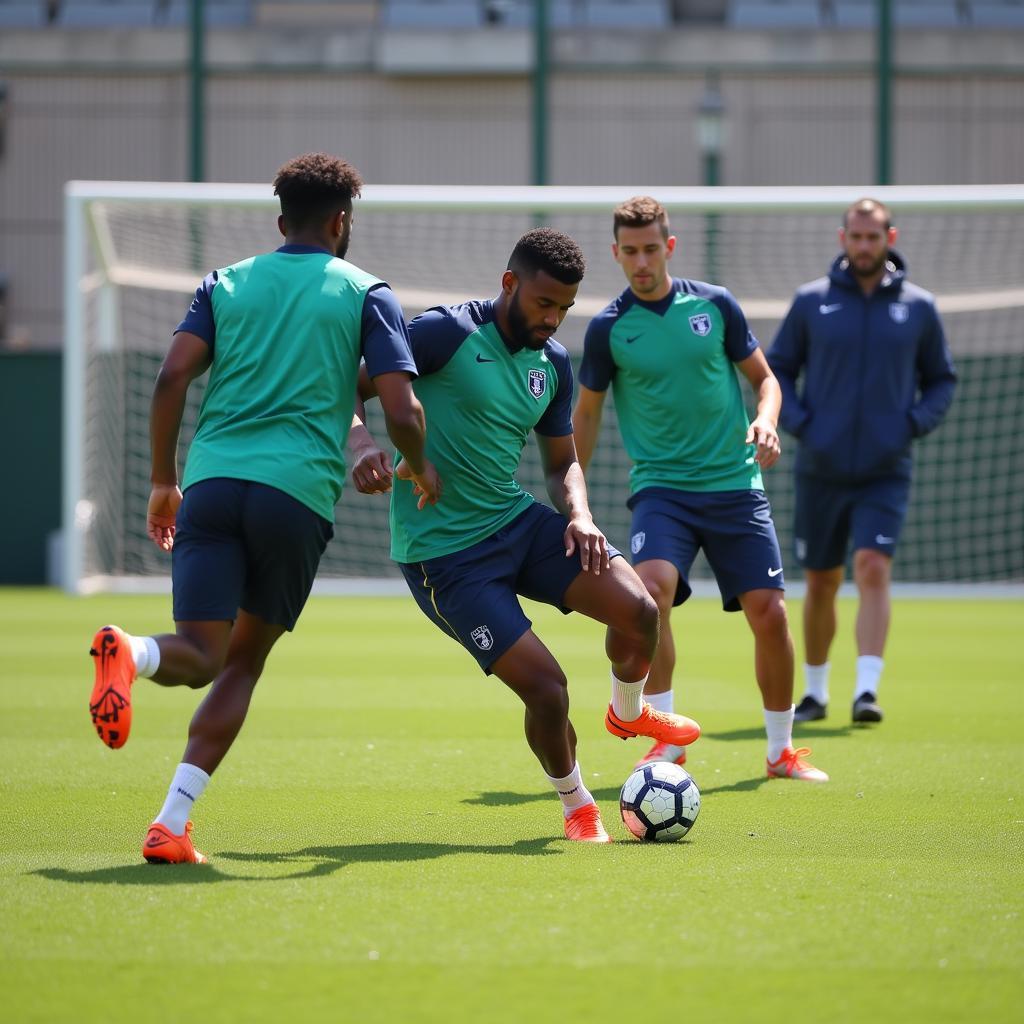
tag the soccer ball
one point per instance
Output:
(659, 802)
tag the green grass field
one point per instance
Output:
(384, 848)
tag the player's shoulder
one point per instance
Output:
(463, 316)
(715, 293)
(557, 353)
(910, 292)
(811, 292)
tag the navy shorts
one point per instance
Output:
(472, 595)
(829, 514)
(734, 528)
(239, 544)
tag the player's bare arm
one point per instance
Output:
(372, 471)
(763, 430)
(568, 492)
(189, 357)
(586, 423)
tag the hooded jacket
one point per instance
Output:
(877, 373)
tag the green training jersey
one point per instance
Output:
(482, 397)
(677, 397)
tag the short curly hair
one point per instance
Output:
(315, 186)
(549, 250)
(638, 212)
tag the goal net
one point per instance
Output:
(135, 252)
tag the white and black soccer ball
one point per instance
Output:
(659, 802)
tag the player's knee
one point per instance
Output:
(661, 593)
(871, 569)
(767, 615)
(549, 698)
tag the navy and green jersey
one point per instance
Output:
(482, 397)
(286, 331)
(677, 397)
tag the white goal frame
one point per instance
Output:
(81, 196)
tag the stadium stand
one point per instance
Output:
(22, 14)
(446, 14)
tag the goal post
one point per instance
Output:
(135, 252)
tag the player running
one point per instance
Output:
(489, 373)
(667, 347)
(282, 335)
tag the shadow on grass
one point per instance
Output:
(800, 729)
(318, 861)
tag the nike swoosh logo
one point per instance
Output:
(629, 341)
(155, 841)
(825, 310)
(480, 359)
(775, 572)
(880, 538)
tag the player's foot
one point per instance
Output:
(657, 725)
(791, 765)
(866, 709)
(111, 702)
(163, 847)
(810, 710)
(663, 752)
(585, 826)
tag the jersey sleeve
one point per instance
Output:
(936, 377)
(597, 368)
(199, 318)
(385, 338)
(557, 418)
(739, 341)
(435, 336)
(786, 358)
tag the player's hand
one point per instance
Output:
(164, 500)
(427, 484)
(762, 433)
(372, 472)
(593, 546)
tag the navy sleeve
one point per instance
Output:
(385, 338)
(937, 377)
(598, 368)
(786, 358)
(199, 318)
(557, 418)
(435, 336)
(739, 342)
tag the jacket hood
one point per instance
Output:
(895, 272)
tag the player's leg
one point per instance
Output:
(877, 521)
(822, 531)
(283, 540)
(743, 551)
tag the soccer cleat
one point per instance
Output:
(111, 702)
(663, 752)
(810, 710)
(661, 726)
(866, 709)
(791, 765)
(163, 847)
(584, 825)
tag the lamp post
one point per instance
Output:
(710, 136)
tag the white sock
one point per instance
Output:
(779, 727)
(816, 681)
(627, 698)
(869, 672)
(146, 652)
(660, 701)
(186, 788)
(571, 791)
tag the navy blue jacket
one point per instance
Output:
(877, 373)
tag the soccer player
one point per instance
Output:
(282, 335)
(877, 373)
(489, 372)
(667, 348)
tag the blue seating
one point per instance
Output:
(627, 14)
(759, 14)
(433, 14)
(22, 14)
(216, 13)
(996, 14)
(106, 14)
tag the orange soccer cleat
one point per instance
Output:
(584, 825)
(111, 702)
(791, 765)
(658, 725)
(663, 752)
(163, 847)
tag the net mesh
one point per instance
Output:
(144, 260)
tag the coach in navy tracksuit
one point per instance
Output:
(877, 373)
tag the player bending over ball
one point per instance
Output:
(282, 335)
(489, 372)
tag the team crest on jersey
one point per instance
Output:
(700, 324)
(899, 311)
(636, 542)
(482, 638)
(538, 383)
